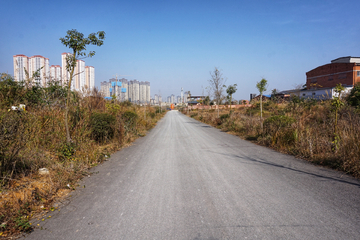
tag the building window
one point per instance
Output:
(342, 76)
(358, 73)
(314, 80)
(331, 77)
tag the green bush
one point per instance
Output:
(11, 92)
(102, 126)
(354, 97)
(126, 103)
(223, 117)
(157, 110)
(14, 93)
(66, 151)
(152, 115)
(129, 118)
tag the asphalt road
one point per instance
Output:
(186, 180)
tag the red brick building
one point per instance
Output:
(344, 70)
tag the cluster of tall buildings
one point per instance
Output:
(84, 76)
(127, 90)
(183, 98)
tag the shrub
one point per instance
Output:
(152, 115)
(66, 151)
(223, 117)
(157, 109)
(354, 97)
(126, 103)
(34, 95)
(14, 134)
(193, 115)
(129, 118)
(278, 127)
(102, 126)
(10, 91)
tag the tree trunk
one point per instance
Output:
(261, 112)
(68, 139)
(230, 104)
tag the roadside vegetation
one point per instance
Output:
(37, 162)
(322, 132)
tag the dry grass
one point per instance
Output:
(304, 129)
(37, 139)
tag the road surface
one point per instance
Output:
(187, 180)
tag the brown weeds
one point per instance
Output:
(36, 139)
(304, 129)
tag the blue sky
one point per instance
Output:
(174, 44)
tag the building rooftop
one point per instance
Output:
(347, 59)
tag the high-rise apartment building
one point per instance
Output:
(130, 90)
(142, 92)
(79, 75)
(147, 89)
(37, 63)
(65, 75)
(21, 63)
(116, 88)
(136, 91)
(124, 95)
(133, 90)
(55, 72)
(84, 76)
(89, 77)
(105, 88)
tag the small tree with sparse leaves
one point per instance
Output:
(230, 91)
(77, 43)
(262, 87)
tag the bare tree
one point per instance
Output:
(217, 83)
